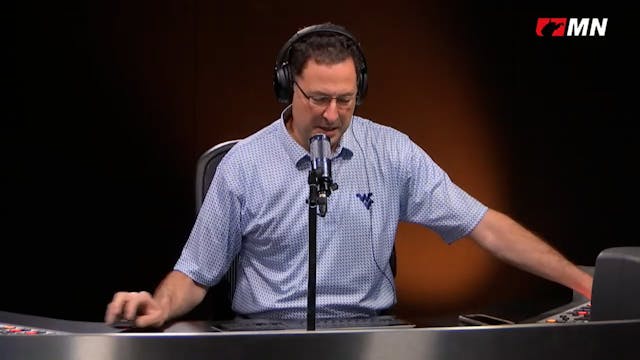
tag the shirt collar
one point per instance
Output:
(299, 156)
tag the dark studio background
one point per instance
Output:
(112, 102)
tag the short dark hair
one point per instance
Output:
(326, 48)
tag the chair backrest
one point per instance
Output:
(206, 166)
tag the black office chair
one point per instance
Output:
(221, 295)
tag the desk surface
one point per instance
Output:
(84, 340)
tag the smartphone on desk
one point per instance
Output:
(481, 319)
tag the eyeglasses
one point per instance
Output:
(323, 101)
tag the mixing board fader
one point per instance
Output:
(11, 329)
(580, 313)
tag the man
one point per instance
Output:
(257, 208)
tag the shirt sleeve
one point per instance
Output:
(430, 197)
(215, 237)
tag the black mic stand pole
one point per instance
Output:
(314, 198)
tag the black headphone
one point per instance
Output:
(283, 78)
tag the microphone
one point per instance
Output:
(320, 150)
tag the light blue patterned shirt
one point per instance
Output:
(256, 206)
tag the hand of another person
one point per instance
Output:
(139, 308)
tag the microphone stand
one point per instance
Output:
(319, 190)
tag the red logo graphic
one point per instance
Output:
(551, 26)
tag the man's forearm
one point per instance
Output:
(177, 294)
(519, 247)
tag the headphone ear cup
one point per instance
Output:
(282, 82)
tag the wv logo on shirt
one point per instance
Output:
(366, 199)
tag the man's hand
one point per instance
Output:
(139, 308)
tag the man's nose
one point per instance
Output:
(331, 112)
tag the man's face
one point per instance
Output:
(329, 102)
